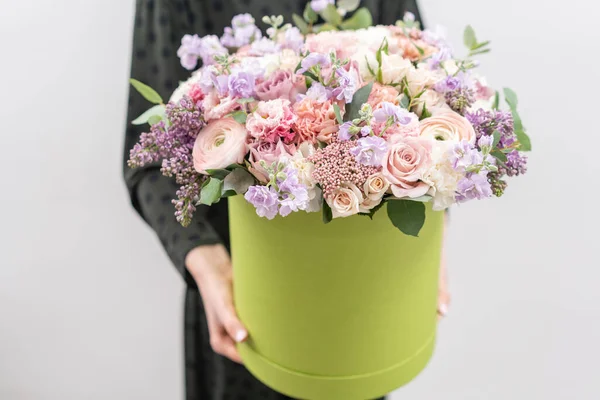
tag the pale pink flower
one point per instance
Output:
(281, 85)
(404, 165)
(315, 121)
(382, 93)
(271, 121)
(269, 152)
(216, 108)
(448, 126)
(345, 200)
(219, 144)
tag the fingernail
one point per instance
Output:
(240, 336)
(443, 309)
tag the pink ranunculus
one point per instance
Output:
(281, 85)
(448, 126)
(404, 165)
(271, 121)
(219, 144)
(216, 108)
(269, 152)
(315, 121)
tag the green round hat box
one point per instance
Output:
(343, 311)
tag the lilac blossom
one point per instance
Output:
(189, 51)
(516, 164)
(473, 186)
(347, 86)
(312, 60)
(242, 32)
(265, 199)
(458, 91)
(241, 84)
(389, 110)
(320, 5)
(370, 150)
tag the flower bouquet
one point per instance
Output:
(330, 119)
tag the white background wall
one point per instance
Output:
(91, 309)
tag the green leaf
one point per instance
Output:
(469, 37)
(338, 114)
(157, 110)
(497, 135)
(218, 173)
(360, 97)
(309, 15)
(480, 45)
(404, 102)
(246, 100)
(496, 103)
(327, 214)
(211, 192)
(406, 215)
(478, 52)
(228, 193)
(348, 5)
(425, 113)
(511, 98)
(155, 119)
(369, 67)
(524, 140)
(331, 15)
(239, 180)
(373, 210)
(359, 20)
(149, 94)
(240, 116)
(300, 23)
(325, 27)
(500, 156)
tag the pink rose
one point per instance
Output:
(269, 152)
(316, 121)
(448, 126)
(345, 201)
(272, 120)
(404, 165)
(216, 108)
(281, 85)
(219, 144)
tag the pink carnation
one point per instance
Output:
(381, 93)
(281, 85)
(315, 121)
(271, 121)
(216, 108)
(196, 93)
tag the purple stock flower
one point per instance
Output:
(264, 199)
(366, 130)
(313, 59)
(211, 46)
(344, 133)
(370, 150)
(347, 86)
(464, 155)
(189, 51)
(242, 31)
(436, 59)
(241, 84)
(387, 110)
(485, 141)
(473, 186)
(293, 39)
(264, 46)
(221, 83)
(318, 93)
(294, 195)
(320, 5)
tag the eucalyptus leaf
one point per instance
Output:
(155, 119)
(524, 140)
(239, 180)
(338, 114)
(360, 97)
(228, 193)
(469, 37)
(331, 15)
(157, 110)
(325, 27)
(149, 94)
(511, 98)
(211, 192)
(218, 173)
(300, 23)
(359, 20)
(309, 14)
(496, 103)
(408, 216)
(240, 116)
(404, 101)
(348, 5)
(478, 52)
(480, 45)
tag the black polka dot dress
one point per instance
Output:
(159, 26)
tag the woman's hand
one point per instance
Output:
(211, 268)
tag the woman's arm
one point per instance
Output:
(159, 26)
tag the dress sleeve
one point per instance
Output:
(392, 10)
(159, 26)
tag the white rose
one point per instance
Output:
(365, 58)
(434, 101)
(419, 79)
(345, 201)
(442, 178)
(450, 66)
(375, 187)
(394, 68)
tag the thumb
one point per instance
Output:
(234, 327)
